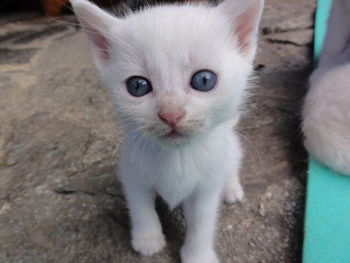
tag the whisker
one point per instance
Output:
(255, 150)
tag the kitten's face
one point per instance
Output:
(174, 71)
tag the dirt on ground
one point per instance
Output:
(60, 200)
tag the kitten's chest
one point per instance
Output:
(175, 174)
(176, 180)
(178, 175)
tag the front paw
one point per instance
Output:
(191, 256)
(148, 244)
(233, 192)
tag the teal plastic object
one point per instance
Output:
(322, 14)
(327, 224)
(327, 216)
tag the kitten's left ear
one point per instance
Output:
(97, 24)
(245, 17)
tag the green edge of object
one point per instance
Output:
(327, 216)
(327, 224)
(322, 14)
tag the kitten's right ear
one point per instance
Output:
(97, 25)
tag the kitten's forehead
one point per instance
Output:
(174, 36)
(181, 21)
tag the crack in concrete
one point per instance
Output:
(284, 42)
(275, 30)
(69, 192)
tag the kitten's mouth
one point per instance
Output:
(173, 135)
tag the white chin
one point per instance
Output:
(174, 139)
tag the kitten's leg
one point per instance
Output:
(233, 189)
(146, 230)
(200, 213)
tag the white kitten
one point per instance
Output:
(326, 112)
(178, 75)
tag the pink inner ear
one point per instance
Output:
(244, 27)
(101, 43)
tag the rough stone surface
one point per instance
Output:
(60, 200)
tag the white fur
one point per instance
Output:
(168, 44)
(326, 112)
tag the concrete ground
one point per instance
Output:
(59, 197)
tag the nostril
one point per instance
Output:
(162, 117)
(180, 116)
(171, 118)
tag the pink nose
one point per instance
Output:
(171, 118)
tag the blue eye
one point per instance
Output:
(203, 80)
(138, 86)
